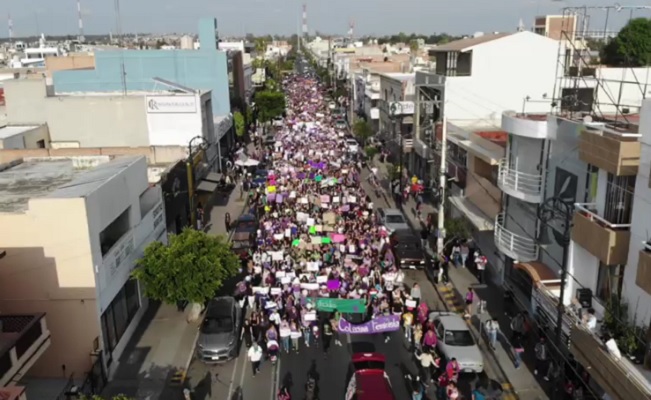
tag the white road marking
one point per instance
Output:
(230, 386)
(275, 380)
(242, 378)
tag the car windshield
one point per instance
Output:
(371, 364)
(395, 219)
(246, 224)
(408, 245)
(459, 338)
(241, 244)
(217, 325)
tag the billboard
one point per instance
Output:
(171, 104)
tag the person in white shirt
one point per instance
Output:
(611, 346)
(589, 320)
(255, 355)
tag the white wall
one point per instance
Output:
(176, 128)
(583, 269)
(104, 205)
(504, 72)
(525, 154)
(638, 299)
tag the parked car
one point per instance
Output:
(392, 219)
(456, 341)
(242, 243)
(352, 145)
(369, 380)
(246, 223)
(408, 251)
(219, 331)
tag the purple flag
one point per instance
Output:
(382, 323)
(334, 284)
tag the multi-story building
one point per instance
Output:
(396, 107)
(557, 27)
(73, 229)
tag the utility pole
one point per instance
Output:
(440, 241)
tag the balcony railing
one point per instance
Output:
(607, 241)
(618, 377)
(519, 248)
(23, 338)
(613, 151)
(521, 185)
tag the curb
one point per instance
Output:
(508, 392)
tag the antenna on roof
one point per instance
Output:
(10, 26)
(81, 22)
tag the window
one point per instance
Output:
(609, 281)
(119, 314)
(619, 199)
(395, 219)
(40, 144)
(459, 338)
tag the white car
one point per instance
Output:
(456, 341)
(278, 122)
(352, 145)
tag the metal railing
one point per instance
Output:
(510, 178)
(589, 210)
(518, 247)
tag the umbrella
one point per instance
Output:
(249, 162)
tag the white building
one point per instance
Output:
(80, 275)
(138, 119)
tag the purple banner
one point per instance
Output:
(382, 323)
(334, 284)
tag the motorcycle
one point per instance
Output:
(272, 350)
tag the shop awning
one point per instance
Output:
(213, 177)
(476, 216)
(207, 186)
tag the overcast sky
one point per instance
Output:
(236, 17)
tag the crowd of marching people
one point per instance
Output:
(322, 267)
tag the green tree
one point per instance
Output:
(240, 124)
(632, 45)
(270, 104)
(362, 129)
(192, 267)
(457, 227)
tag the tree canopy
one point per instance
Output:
(362, 129)
(632, 45)
(192, 267)
(270, 104)
(240, 124)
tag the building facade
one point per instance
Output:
(80, 275)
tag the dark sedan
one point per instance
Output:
(408, 251)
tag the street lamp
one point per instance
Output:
(393, 113)
(189, 164)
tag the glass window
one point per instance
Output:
(133, 298)
(120, 313)
(459, 338)
(108, 328)
(609, 281)
(395, 219)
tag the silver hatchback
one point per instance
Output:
(219, 331)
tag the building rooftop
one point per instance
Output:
(55, 177)
(402, 77)
(466, 44)
(9, 131)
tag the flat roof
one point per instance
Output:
(467, 43)
(399, 76)
(55, 177)
(9, 131)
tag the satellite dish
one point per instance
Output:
(587, 119)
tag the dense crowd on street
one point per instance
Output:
(322, 267)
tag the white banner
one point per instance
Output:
(402, 107)
(171, 104)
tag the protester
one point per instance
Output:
(541, 353)
(255, 355)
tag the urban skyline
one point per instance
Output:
(278, 17)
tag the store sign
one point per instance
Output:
(171, 104)
(402, 107)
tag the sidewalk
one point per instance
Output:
(154, 362)
(522, 381)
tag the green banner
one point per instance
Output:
(344, 306)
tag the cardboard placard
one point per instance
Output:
(280, 274)
(286, 280)
(321, 279)
(261, 289)
(275, 291)
(410, 303)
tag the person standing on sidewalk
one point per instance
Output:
(456, 255)
(541, 355)
(470, 298)
(465, 251)
(424, 237)
(518, 325)
(492, 330)
(255, 355)
(480, 264)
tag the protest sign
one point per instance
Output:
(380, 324)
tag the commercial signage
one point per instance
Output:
(402, 107)
(171, 104)
(345, 306)
(382, 323)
